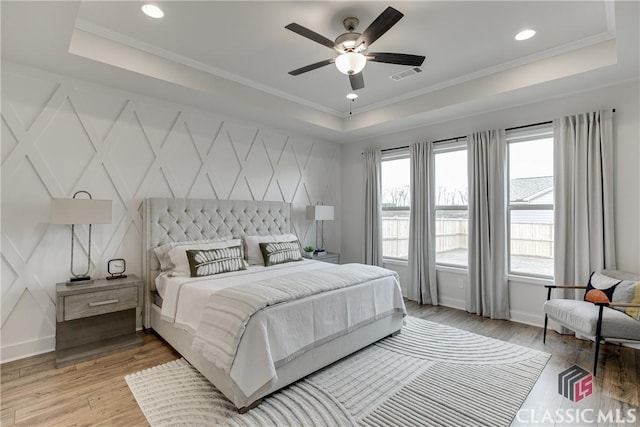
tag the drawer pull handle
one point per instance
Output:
(109, 301)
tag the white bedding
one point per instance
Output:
(193, 292)
(269, 340)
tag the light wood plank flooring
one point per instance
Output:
(34, 392)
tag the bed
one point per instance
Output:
(329, 324)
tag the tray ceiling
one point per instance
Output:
(236, 55)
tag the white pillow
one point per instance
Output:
(162, 251)
(253, 254)
(179, 259)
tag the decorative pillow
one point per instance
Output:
(252, 248)
(179, 258)
(280, 252)
(635, 311)
(162, 251)
(628, 291)
(206, 262)
(600, 288)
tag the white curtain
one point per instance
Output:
(372, 208)
(422, 271)
(583, 195)
(487, 293)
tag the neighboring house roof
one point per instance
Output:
(524, 189)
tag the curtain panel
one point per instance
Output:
(584, 238)
(372, 208)
(422, 256)
(488, 292)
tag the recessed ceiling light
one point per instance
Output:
(352, 96)
(152, 10)
(525, 34)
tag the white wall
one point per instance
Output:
(60, 135)
(526, 297)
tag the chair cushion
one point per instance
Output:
(582, 317)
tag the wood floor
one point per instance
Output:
(34, 392)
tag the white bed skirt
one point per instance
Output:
(301, 366)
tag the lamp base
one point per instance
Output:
(319, 252)
(80, 280)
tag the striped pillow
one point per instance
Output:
(280, 252)
(206, 262)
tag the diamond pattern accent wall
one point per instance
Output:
(60, 135)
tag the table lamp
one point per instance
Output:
(320, 213)
(80, 211)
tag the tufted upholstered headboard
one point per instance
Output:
(177, 220)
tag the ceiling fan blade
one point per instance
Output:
(356, 80)
(381, 25)
(311, 35)
(396, 58)
(312, 67)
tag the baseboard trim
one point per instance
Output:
(11, 352)
(451, 302)
(526, 318)
(515, 316)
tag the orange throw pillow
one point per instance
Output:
(596, 295)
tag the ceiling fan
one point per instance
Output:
(353, 47)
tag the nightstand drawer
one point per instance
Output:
(100, 302)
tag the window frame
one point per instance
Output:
(441, 148)
(528, 134)
(389, 156)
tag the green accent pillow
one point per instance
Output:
(280, 252)
(206, 262)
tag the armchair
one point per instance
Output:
(599, 321)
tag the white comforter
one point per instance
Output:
(192, 293)
(269, 340)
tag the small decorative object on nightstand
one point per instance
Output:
(331, 257)
(116, 268)
(96, 319)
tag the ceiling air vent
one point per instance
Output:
(406, 74)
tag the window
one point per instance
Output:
(530, 210)
(396, 197)
(451, 200)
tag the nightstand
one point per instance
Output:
(332, 257)
(96, 319)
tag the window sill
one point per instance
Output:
(528, 279)
(451, 269)
(394, 261)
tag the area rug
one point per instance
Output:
(428, 375)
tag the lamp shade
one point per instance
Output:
(320, 213)
(80, 211)
(351, 63)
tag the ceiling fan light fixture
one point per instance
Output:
(152, 11)
(350, 63)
